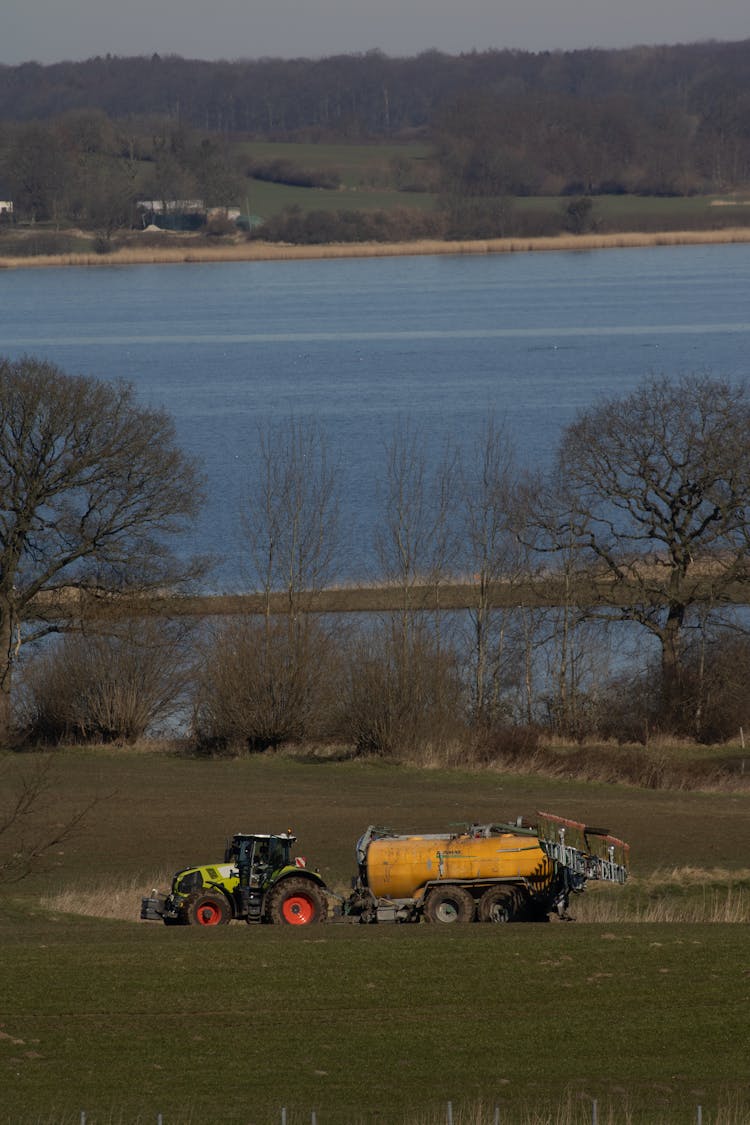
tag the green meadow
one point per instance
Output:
(124, 1020)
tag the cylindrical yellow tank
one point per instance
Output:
(399, 866)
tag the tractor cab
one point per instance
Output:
(256, 856)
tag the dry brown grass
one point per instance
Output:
(105, 899)
(578, 1109)
(713, 895)
(263, 251)
(674, 766)
(675, 895)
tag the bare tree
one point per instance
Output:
(415, 542)
(91, 485)
(491, 553)
(291, 519)
(568, 638)
(659, 489)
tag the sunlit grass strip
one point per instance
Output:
(262, 252)
(725, 898)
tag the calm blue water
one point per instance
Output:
(362, 344)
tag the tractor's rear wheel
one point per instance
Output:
(449, 904)
(500, 904)
(207, 909)
(297, 902)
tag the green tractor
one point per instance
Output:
(259, 881)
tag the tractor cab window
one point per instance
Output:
(278, 852)
(262, 853)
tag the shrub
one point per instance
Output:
(286, 172)
(319, 227)
(478, 217)
(218, 226)
(400, 697)
(709, 702)
(40, 245)
(715, 687)
(506, 744)
(578, 215)
(103, 245)
(263, 684)
(104, 688)
(630, 708)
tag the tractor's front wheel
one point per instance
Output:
(296, 902)
(209, 909)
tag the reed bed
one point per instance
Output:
(262, 252)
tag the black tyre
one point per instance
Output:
(448, 905)
(207, 908)
(296, 902)
(500, 904)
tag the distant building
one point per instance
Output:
(181, 214)
(173, 206)
(172, 214)
(6, 207)
(232, 213)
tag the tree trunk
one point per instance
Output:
(7, 656)
(671, 664)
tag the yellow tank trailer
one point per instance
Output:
(490, 873)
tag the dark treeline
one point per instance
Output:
(657, 119)
(372, 94)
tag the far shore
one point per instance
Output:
(266, 252)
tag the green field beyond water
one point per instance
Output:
(127, 1020)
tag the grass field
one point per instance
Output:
(357, 164)
(125, 1020)
(364, 170)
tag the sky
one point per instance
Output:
(54, 30)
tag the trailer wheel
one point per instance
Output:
(449, 904)
(210, 909)
(499, 904)
(297, 902)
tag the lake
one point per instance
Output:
(363, 344)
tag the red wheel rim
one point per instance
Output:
(298, 910)
(208, 914)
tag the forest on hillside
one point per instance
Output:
(669, 119)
